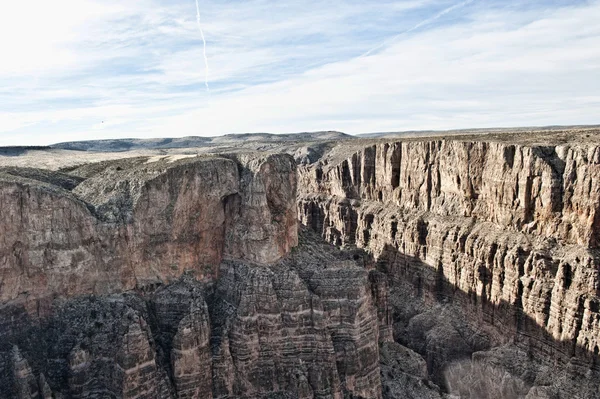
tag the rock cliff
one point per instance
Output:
(162, 278)
(508, 231)
(140, 222)
(428, 268)
(305, 327)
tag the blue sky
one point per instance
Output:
(90, 69)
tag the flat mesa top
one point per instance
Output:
(520, 136)
(65, 156)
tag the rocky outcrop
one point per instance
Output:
(405, 374)
(261, 218)
(547, 190)
(182, 328)
(463, 267)
(305, 327)
(141, 222)
(507, 230)
(26, 385)
(160, 278)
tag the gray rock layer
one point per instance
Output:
(305, 327)
(476, 275)
(142, 222)
(508, 231)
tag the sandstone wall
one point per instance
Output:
(305, 327)
(514, 228)
(143, 223)
(159, 279)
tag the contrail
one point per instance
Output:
(204, 46)
(420, 24)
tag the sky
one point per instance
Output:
(94, 69)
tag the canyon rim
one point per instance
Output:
(318, 265)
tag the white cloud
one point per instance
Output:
(288, 66)
(35, 35)
(467, 75)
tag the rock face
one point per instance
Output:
(550, 191)
(450, 268)
(509, 231)
(153, 278)
(305, 327)
(405, 374)
(140, 222)
(261, 218)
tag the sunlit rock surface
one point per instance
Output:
(506, 232)
(428, 268)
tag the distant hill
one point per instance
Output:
(477, 131)
(118, 145)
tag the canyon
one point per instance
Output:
(316, 266)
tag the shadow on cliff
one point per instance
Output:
(491, 324)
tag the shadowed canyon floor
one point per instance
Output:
(309, 266)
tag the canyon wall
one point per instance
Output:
(511, 230)
(141, 222)
(464, 266)
(160, 278)
(304, 327)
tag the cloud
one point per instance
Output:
(480, 73)
(420, 24)
(290, 66)
(37, 36)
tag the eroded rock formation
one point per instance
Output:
(156, 279)
(140, 222)
(465, 267)
(508, 231)
(305, 327)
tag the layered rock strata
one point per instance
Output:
(305, 327)
(180, 277)
(134, 223)
(509, 231)
(159, 278)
